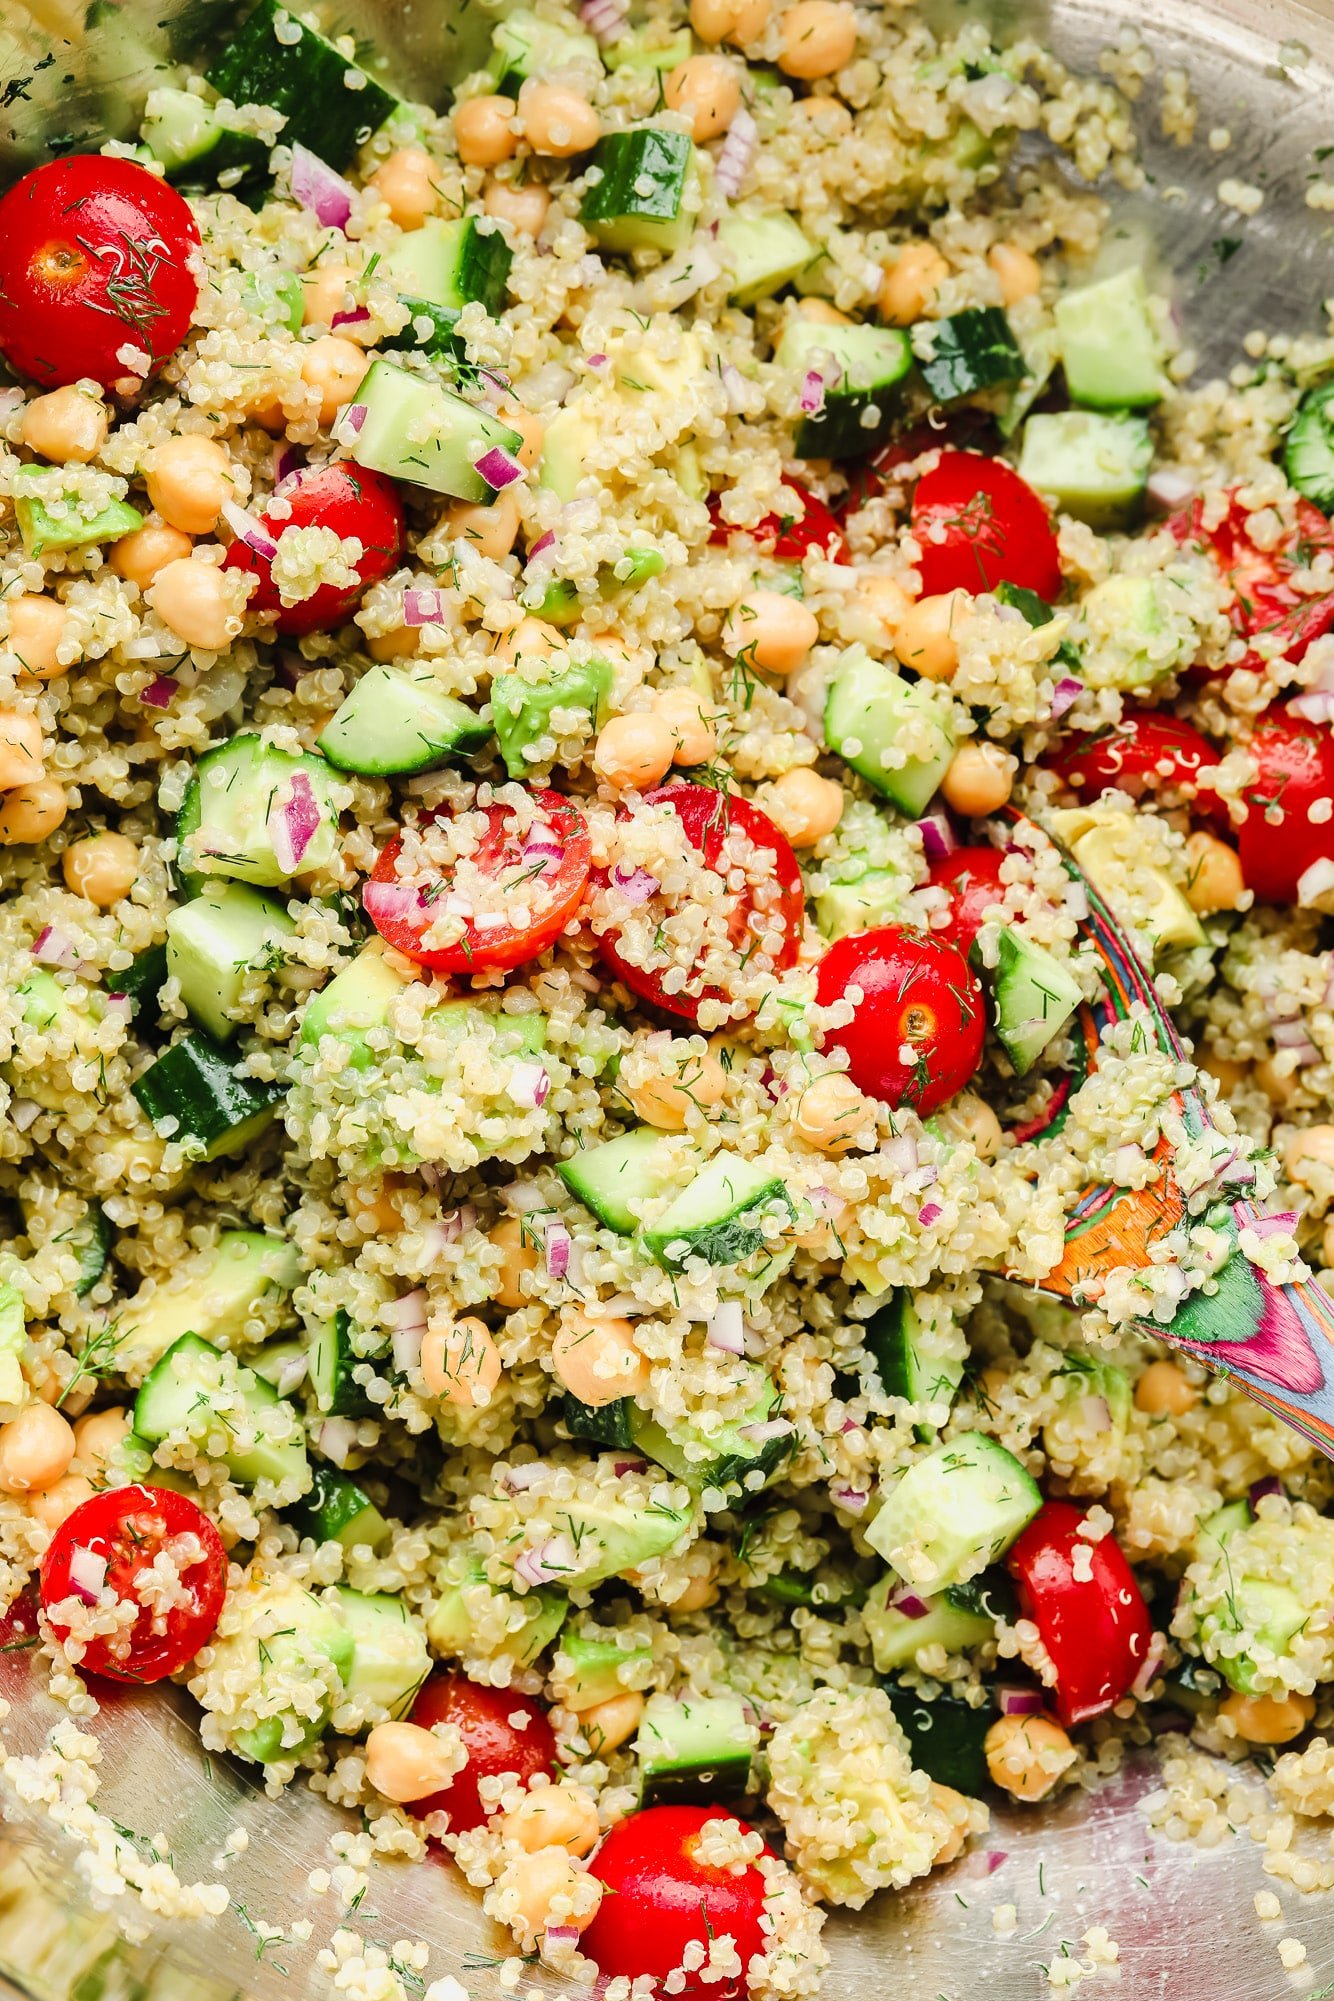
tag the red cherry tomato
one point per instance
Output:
(1265, 600)
(787, 537)
(493, 1741)
(978, 525)
(127, 1528)
(708, 818)
(957, 429)
(549, 866)
(918, 992)
(18, 1624)
(347, 499)
(972, 879)
(1087, 1607)
(663, 1898)
(96, 255)
(1147, 751)
(1295, 762)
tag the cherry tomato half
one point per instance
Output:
(1295, 760)
(1087, 1607)
(1147, 751)
(787, 537)
(96, 256)
(548, 866)
(971, 877)
(708, 818)
(347, 499)
(18, 1624)
(1265, 600)
(663, 1898)
(978, 525)
(125, 1530)
(918, 992)
(493, 1741)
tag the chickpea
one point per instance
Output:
(772, 631)
(536, 1882)
(20, 749)
(140, 555)
(484, 131)
(37, 626)
(97, 1439)
(558, 123)
(689, 1080)
(1327, 1244)
(735, 21)
(819, 37)
(524, 209)
(531, 431)
(326, 291)
(979, 780)
(460, 1363)
(1308, 1156)
(518, 1257)
(30, 812)
(806, 806)
(597, 1360)
(554, 1817)
(406, 184)
(832, 1113)
(633, 752)
(704, 89)
(1279, 1084)
(1017, 273)
(1229, 1076)
(57, 1503)
(492, 530)
(971, 1118)
(607, 1725)
(102, 867)
(955, 1809)
(694, 738)
(910, 283)
(531, 637)
(1214, 880)
(885, 599)
(1164, 1389)
(188, 481)
(821, 313)
(68, 426)
(400, 644)
(699, 1593)
(1026, 1755)
(375, 1210)
(333, 367)
(1268, 1719)
(194, 598)
(404, 1762)
(925, 638)
(35, 1450)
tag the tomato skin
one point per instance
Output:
(1265, 601)
(400, 914)
(95, 255)
(128, 1526)
(1295, 760)
(349, 500)
(917, 989)
(18, 1623)
(785, 537)
(1095, 1629)
(1129, 756)
(490, 1739)
(706, 816)
(663, 1898)
(972, 879)
(996, 529)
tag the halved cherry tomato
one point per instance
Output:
(125, 1530)
(1265, 601)
(978, 525)
(707, 817)
(662, 1898)
(1147, 751)
(787, 537)
(549, 866)
(1087, 1607)
(971, 878)
(1296, 773)
(493, 1741)
(347, 499)
(97, 256)
(918, 992)
(958, 430)
(18, 1624)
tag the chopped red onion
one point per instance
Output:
(524, 1197)
(319, 190)
(606, 20)
(408, 1311)
(529, 1084)
(542, 846)
(1012, 1700)
(937, 834)
(424, 607)
(929, 1213)
(286, 461)
(996, 1858)
(1291, 1034)
(358, 317)
(765, 1432)
(1097, 1414)
(498, 468)
(1271, 1484)
(87, 1573)
(25, 1112)
(389, 900)
(1149, 1666)
(909, 1603)
(291, 1375)
(1167, 490)
(557, 1247)
(556, 1558)
(812, 391)
(1274, 1226)
(349, 423)
(336, 1439)
(899, 1152)
(1313, 705)
(636, 884)
(562, 1934)
(247, 528)
(597, 361)
(54, 947)
(620, 1467)
(457, 1223)
(547, 541)
(518, 1479)
(854, 1499)
(1064, 695)
(293, 823)
(160, 692)
(406, 1348)
(735, 154)
(727, 1328)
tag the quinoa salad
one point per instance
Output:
(654, 744)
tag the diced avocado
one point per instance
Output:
(970, 352)
(1109, 347)
(1240, 1599)
(1099, 851)
(589, 1668)
(199, 1392)
(334, 1508)
(570, 436)
(216, 942)
(1033, 997)
(896, 1639)
(288, 1635)
(532, 1622)
(694, 1748)
(947, 1737)
(70, 523)
(914, 1358)
(356, 999)
(604, 1535)
(515, 1034)
(617, 1177)
(562, 604)
(758, 1442)
(390, 1660)
(872, 899)
(13, 1341)
(522, 709)
(861, 370)
(868, 705)
(718, 1216)
(649, 48)
(220, 1291)
(954, 1511)
(1093, 466)
(276, 296)
(1085, 1377)
(641, 193)
(766, 250)
(1126, 623)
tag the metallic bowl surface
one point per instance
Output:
(1182, 1917)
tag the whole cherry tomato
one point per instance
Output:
(351, 501)
(787, 537)
(1265, 599)
(1149, 751)
(1280, 839)
(971, 877)
(492, 1739)
(919, 995)
(978, 525)
(1087, 1607)
(98, 271)
(662, 1897)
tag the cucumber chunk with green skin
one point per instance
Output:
(276, 296)
(867, 706)
(862, 368)
(398, 720)
(640, 192)
(600, 1424)
(525, 45)
(332, 1359)
(197, 1390)
(1308, 455)
(141, 982)
(449, 265)
(195, 146)
(562, 604)
(430, 330)
(589, 1669)
(718, 1215)
(222, 1290)
(1033, 998)
(911, 1357)
(67, 524)
(766, 249)
(1109, 346)
(970, 351)
(418, 430)
(630, 1170)
(247, 812)
(91, 1239)
(896, 1639)
(697, 1748)
(389, 1655)
(1092, 466)
(214, 945)
(954, 1512)
(330, 104)
(946, 1737)
(522, 709)
(13, 1341)
(532, 1622)
(646, 49)
(356, 1000)
(215, 1108)
(759, 1442)
(335, 1509)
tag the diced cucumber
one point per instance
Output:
(718, 1216)
(356, 999)
(862, 904)
(607, 1536)
(203, 1100)
(698, 1748)
(970, 351)
(331, 105)
(1093, 466)
(532, 1622)
(244, 815)
(389, 1657)
(640, 195)
(759, 1442)
(287, 1637)
(141, 982)
(91, 1238)
(282, 1364)
(195, 146)
(867, 706)
(896, 1639)
(600, 1424)
(911, 1358)
(399, 720)
(198, 1391)
(590, 1668)
(766, 250)
(13, 1343)
(1033, 997)
(616, 1178)
(526, 45)
(954, 1511)
(1308, 456)
(946, 1736)
(523, 709)
(336, 1390)
(863, 370)
(1109, 347)
(276, 296)
(649, 48)
(69, 523)
(420, 431)
(336, 1509)
(216, 942)
(222, 1289)
(450, 264)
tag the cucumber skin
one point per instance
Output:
(348, 1398)
(1312, 431)
(945, 1736)
(974, 350)
(187, 1076)
(625, 160)
(305, 81)
(332, 1505)
(605, 1424)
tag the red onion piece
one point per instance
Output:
(996, 1858)
(562, 1934)
(908, 1603)
(1313, 705)
(735, 154)
(929, 1213)
(1064, 695)
(1271, 1484)
(529, 1084)
(636, 884)
(812, 392)
(900, 1153)
(937, 834)
(1149, 1666)
(406, 1347)
(336, 1439)
(557, 1248)
(54, 947)
(350, 422)
(547, 541)
(606, 20)
(1273, 1226)
(358, 316)
(620, 1467)
(319, 190)
(286, 461)
(766, 1431)
(727, 1328)
(87, 1573)
(1097, 1414)
(424, 607)
(556, 1558)
(389, 900)
(160, 692)
(249, 529)
(293, 822)
(524, 1198)
(1291, 1034)
(1012, 1700)
(1168, 490)
(408, 1311)
(498, 468)
(853, 1499)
